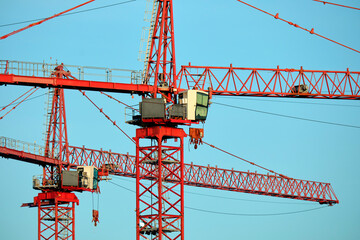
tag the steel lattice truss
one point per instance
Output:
(229, 81)
(161, 66)
(56, 137)
(56, 213)
(271, 82)
(194, 175)
(163, 164)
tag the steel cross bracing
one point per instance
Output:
(163, 164)
(56, 213)
(229, 81)
(56, 137)
(267, 82)
(161, 68)
(194, 175)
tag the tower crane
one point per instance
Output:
(170, 101)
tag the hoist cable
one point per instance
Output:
(297, 26)
(113, 122)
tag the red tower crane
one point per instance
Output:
(170, 100)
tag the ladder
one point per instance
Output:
(146, 35)
(47, 114)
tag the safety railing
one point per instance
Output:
(80, 72)
(18, 145)
(132, 113)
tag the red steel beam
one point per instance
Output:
(10, 79)
(195, 175)
(27, 157)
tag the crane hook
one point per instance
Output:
(95, 214)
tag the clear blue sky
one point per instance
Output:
(215, 33)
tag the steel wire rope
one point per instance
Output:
(111, 97)
(66, 14)
(288, 116)
(243, 159)
(113, 122)
(13, 108)
(297, 26)
(13, 102)
(23, 101)
(234, 214)
(121, 186)
(229, 198)
(295, 102)
(335, 4)
(44, 20)
(256, 214)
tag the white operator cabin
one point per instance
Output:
(88, 177)
(196, 103)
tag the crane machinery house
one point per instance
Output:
(84, 177)
(193, 105)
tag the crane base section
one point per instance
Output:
(56, 215)
(160, 202)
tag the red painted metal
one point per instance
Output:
(27, 157)
(32, 91)
(60, 211)
(266, 82)
(10, 79)
(227, 81)
(162, 217)
(44, 20)
(56, 215)
(196, 135)
(6, 67)
(113, 122)
(195, 175)
(56, 138)
(161, 68)
(95, 219)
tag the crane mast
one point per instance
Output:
(161, 157)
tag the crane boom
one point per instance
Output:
(194, 175)
(276, 82)
(226, 81)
